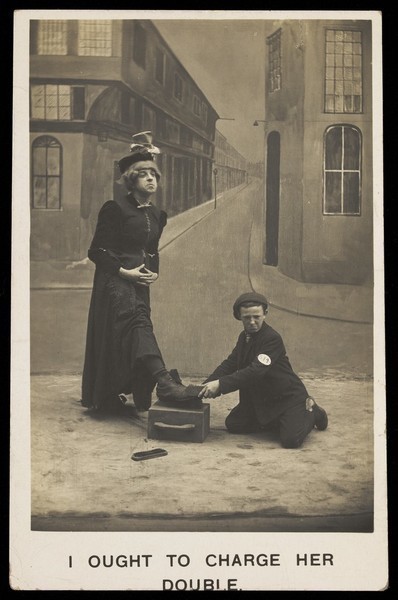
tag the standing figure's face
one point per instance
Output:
(142, 177)
(144, 181)
(252, 318)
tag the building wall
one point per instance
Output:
(314, 247)
(73, 66)
(55, 233)
(143, 80)
(230, 165)
(122, 95)
(120, 98)
(285, 114)
(335, 247)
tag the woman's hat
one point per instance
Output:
(249, 297)
(141, 149)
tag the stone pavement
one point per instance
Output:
(83, 478)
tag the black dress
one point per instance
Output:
(119, 330)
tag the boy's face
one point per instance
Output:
(252, 318)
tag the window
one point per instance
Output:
(177, 87)
(196, 106)
(139, 45)
(95, 38)
(161, 131)
(191, 181)
(186, 137)
(205, 113)
(197, 143)
(127, 109)
(46, 173)
(78, 103)
(148, 119)
(172, 131)
(52, 38)
(274, 61)
(342, 171)
(57, 102)
(159, 66)
(343, 71)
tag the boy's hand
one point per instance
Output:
(210, 390)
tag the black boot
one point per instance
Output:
(321, 417)
(142, 389)
(168, 389)
(320, 414)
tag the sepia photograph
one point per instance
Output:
(197, 383)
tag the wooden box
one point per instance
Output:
(178, 423)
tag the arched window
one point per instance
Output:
(342, 171)
(46, 173)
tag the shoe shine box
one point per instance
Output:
(190, 423)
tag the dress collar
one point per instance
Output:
(135, 201)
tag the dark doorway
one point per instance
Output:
(272, 199)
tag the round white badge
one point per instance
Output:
(264, 359)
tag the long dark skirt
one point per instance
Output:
(119, 334)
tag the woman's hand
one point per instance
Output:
(210, 390)
(140, 275)
(152, 275)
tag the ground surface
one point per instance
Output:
(83, 477)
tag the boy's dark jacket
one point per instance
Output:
(262, 373)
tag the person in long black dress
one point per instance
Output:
(122, 355)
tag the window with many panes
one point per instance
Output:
(95, 38)
(57, 102)
(274, 61)
(177, 87)
(342, 171)
(343, 71)
(139, 45)
(160, 59)
(52, 38)
(46, 173)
